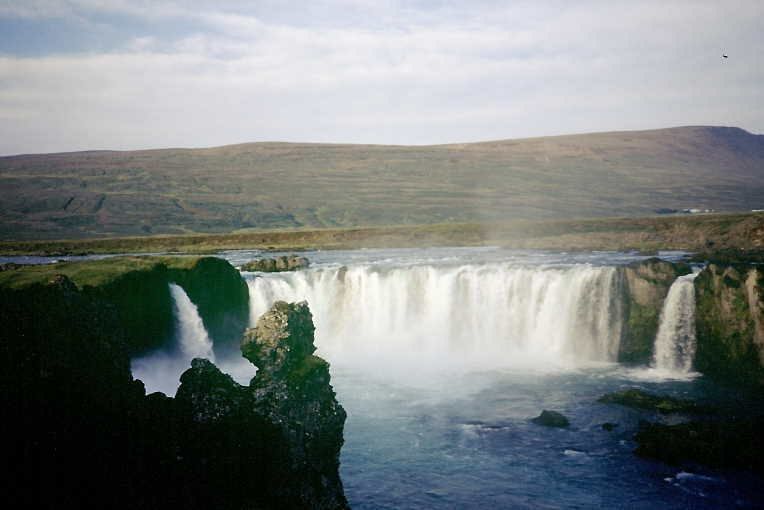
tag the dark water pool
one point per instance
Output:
(465, 441)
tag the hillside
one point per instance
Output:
(282, 185)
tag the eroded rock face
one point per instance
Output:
(282, 338)
(646, 284)
(73, 407)
(730, 322)
(292, 390)
(277, 264)
(290, 402)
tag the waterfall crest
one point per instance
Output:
(497, 312)
(675, 340)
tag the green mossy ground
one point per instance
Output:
(92, 273)
(659, 403)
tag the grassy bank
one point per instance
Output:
(91, 273)
(691, 232)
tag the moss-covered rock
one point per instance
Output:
(645, 285)
(730, 323)
(659, 403)
(292, 389)
(551, 419)
(276, 264)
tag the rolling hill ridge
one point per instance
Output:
(282, 185)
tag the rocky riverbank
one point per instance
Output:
(80, 431)
(730, 322)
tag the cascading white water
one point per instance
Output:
(160, 371)
(487, 312)
(675, 340)
(192, 337)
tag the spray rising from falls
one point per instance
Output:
(675, 340)
(486, 313)
(160, 371)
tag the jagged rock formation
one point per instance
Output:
(79, 431)
(646, 284)
(290, 398)
(276, 264)
(292, 390)
(730, 322)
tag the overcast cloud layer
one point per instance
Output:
(118, 74)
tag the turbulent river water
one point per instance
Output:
(442, 356)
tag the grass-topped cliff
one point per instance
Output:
(138, 289)
(300, 185)
(79, 426)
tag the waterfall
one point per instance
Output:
(160, 371)
(192, 338)
(675, 340)
(493, 312)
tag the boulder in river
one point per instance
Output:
(551, 419)
(639, 399)
(276, 264)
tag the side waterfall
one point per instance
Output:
(160, 371)
(192, 337)
(496, 313)
(675, 340)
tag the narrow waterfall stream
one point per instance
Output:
(160, 370)
(192, 337)
(675, 340)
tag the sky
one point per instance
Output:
(119, 74)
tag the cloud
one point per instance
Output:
(430, 73)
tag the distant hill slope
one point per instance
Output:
(277, 185)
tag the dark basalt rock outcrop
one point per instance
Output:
(551, 419)
(639, 399)
(292, 390)
(646, 284)
(276, 264)
(734, 443)
(730, 323)
(79, 431)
